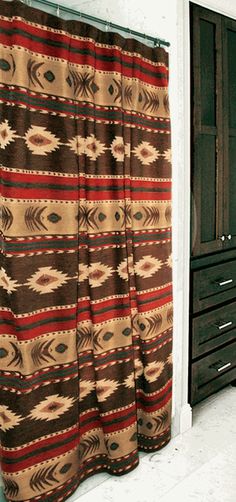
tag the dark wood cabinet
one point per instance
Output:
(213, 191)
(213, 42)
(229, 113)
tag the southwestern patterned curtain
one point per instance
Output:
(85, 278)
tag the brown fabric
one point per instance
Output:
(85, 277)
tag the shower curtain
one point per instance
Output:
(85, 276)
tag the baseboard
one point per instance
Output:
(182, 421)
(185, 421)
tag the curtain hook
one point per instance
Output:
(157, 43)
(108, 25)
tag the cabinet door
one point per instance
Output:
(229, 115)
(207, 134)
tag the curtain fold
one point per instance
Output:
(85, 278)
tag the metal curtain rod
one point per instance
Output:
(156, 41)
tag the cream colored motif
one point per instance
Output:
(167, 155)
(153, 370)
(8, 419)
(118, 148)
(93, 148)
(85, 387)
(46, 280)
(52, 407)
(147, 266)
(146, 153)
(169, 261)
(125, 268)
(10, 285)
(83, 272)
(77, 144)
(105, 388)
(7, 134)
(98, 274)
(129, 381)
(40, 141)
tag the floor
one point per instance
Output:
(198, 466)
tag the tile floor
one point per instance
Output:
(197, 466)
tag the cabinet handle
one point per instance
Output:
(220, 366)
(229, 237)
(222, 238)
(225, 325)
(223, 283)
(226, 365)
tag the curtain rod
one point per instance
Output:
(156, 41)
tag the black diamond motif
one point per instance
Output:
(138, 215)
(3, 353)
(61, 348)
(101, 217)
(114, 446)
(65, 468)
(111, 89)
(54, 218)
(94, 87)
(107, 336)
(49, 76)
(4, 65)
(69, 81)
(126, 331)
(117, 216)
(142, 326)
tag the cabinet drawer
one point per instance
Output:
(214, 285)
(213, 329)
(213, 372)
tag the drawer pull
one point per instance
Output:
(225, 325)
(220, 366)
(223, 283)
(227, 365)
